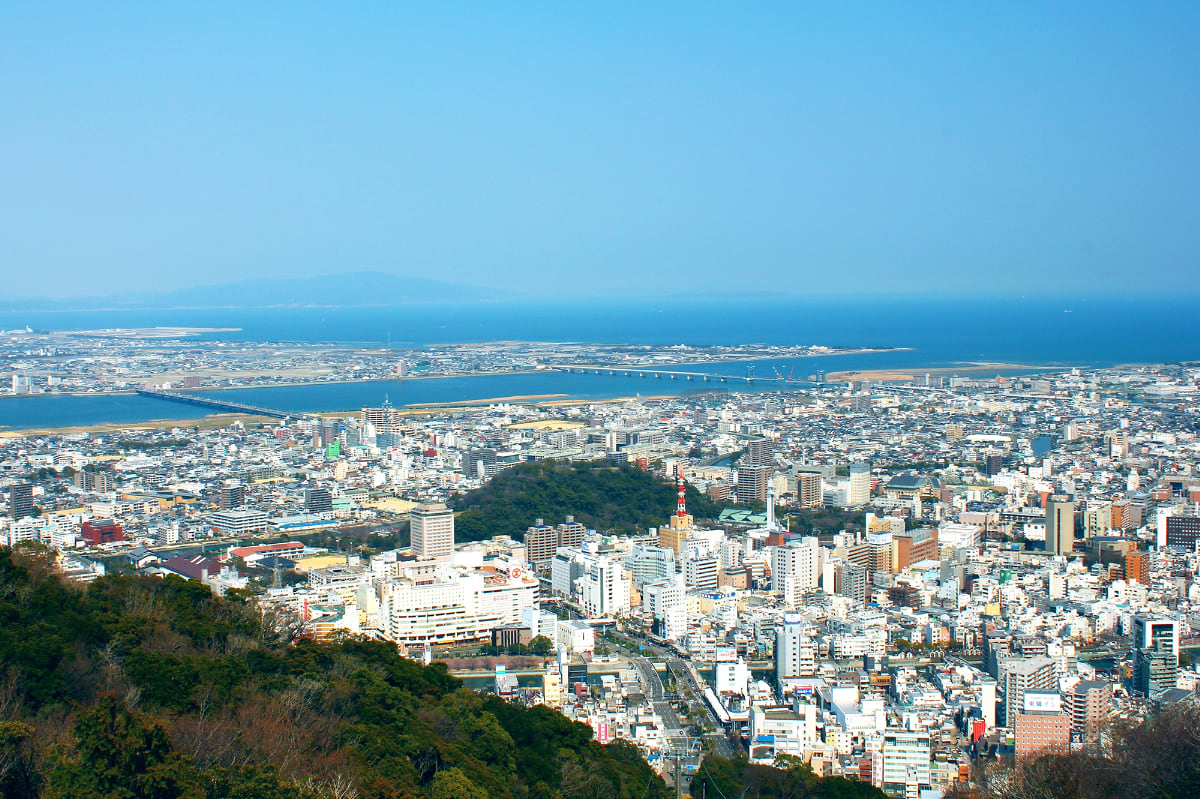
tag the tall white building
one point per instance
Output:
(431, 527)
(904, 760)
(701, 572)
(648, 563)
(795, 652)
(604, 587)
(801, 563)
(860, 484)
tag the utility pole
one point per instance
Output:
(682, 748)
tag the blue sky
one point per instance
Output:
(831, 148)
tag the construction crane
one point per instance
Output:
(778, 373)
(791, 373)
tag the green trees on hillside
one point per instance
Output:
(598, 494)
(136, 687)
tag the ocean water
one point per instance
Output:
(939, 333)
(1058, 330)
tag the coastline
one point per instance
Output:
(835, 352)
(970, 369)
(548, 400)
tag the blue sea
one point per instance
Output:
(1042, 332)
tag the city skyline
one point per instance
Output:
(934, 149)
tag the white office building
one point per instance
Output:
(453, 607)
(604, 587)
(800, 561)
(431, 528)
(701, 572)
(238, 522)
(648, 563)
(795, 652)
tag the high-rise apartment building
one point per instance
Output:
(799, 562)
(383, 419)
(479, 463)
(860, 484)
(99, 480)
(1156, 655)
(874, 554)
(431, 527)
(542, 540)
(759, 452)
(853, 581)
(231, 496)
(795, 652)
(752, 483)
(1137, 567)
(1089, 703)
(808, 490)
(1060, 524)
(319, 500)
(20, 500)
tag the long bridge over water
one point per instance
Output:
(221, 405)
(670, 374)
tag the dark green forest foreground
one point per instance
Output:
(598, 494)
(138, 687)
(739, 778)
(1158, 759)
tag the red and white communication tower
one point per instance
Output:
(681, 506)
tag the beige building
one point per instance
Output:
(431, 527)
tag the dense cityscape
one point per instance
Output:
(915, 585)
(599, 401)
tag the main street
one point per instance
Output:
(683, 673)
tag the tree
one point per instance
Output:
(454, 784)
(541, 645)
(115, 754)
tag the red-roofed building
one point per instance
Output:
(252, 555)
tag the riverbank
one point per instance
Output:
(975, 369)
(215, 421)
(305, 376)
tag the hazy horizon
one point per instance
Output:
(548, 151)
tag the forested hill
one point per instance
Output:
(140, 688)
(598, 494)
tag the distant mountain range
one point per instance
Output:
(355, 288)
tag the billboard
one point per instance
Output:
(1039, 702)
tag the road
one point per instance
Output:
(684, 674)
(657, 694)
